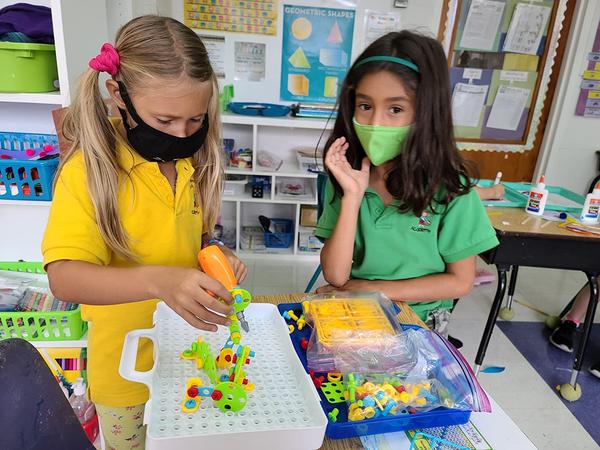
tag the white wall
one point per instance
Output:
(567, 156)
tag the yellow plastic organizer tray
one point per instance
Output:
(349, 320)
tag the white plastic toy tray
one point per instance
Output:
(283, 411)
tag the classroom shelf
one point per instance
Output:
(278, 199)
(45, 98)
(25, 203)
(286, 170)
(287, 121)
(79, 343)
(283, 254)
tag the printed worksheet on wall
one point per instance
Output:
(482, 25)
(526, 28)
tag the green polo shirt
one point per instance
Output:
(390, 245)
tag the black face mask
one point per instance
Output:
(153, 144)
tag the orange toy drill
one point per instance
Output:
(215, 264)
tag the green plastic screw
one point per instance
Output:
(333, 414)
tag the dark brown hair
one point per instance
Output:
(429, 171)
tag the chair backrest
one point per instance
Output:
(35, 414)
(321, 183)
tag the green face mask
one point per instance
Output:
(381, 143)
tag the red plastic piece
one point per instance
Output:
(411, 410)
(318, 381)
(400, 389)
(5, 157)
(217, 395)
(304, 343)
(193, 391)
(228, 358)
(30, 152)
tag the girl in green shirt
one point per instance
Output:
(400, 213)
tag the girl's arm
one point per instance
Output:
(456, 282)
(183, 289)
(336, 254)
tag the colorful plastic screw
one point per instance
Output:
(292, 315)
(291, 328)
(301, 322)
(333, 415)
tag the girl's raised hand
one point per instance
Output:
(185, 291)
(352, 181)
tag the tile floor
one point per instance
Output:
(521, 392)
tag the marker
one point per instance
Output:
(498, 178)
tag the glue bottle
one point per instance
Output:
(538, 196)
(591, 207)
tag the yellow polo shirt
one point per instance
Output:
(164, 229)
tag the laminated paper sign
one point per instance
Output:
(316, 52)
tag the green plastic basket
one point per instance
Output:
(27, 67)
(39, 326)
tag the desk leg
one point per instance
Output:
(587, 327)
(571, 391)
(491, 321)
(512, 284)
(507, 313)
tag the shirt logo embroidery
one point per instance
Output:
(423, 223)
(195, 212)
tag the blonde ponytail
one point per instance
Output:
(86, 124)
(148, 47)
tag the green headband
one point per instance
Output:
(404, 62)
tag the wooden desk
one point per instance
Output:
(407, 315)
(526, 240)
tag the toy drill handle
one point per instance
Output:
(216, 265)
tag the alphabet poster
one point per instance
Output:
(316, 52)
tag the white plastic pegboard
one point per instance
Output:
(283, 411)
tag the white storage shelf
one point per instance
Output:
(279, 136)
(79, 343)
(45, 98)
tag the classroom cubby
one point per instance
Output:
(291, 186)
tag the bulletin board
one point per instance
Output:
(501, 56)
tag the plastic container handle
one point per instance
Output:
(215, 264)
(129, 356)
(24, 54)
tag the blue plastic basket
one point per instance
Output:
(283, 237)
(23, 177)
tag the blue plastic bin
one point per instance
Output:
(283, 236)
(22, 177)
(343, 429)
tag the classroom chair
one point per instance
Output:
(321, 183)
(35, 414)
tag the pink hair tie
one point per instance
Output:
(107, 61)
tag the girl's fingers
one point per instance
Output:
(197, 323)
(198, 307)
